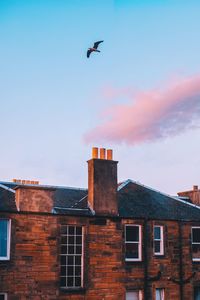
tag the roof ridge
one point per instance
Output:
(43, 185)
(7, 188)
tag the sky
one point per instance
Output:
(139, 96)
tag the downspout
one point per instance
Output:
(180, 260)
(145, 234)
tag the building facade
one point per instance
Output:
(111, 241)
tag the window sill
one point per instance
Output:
(133, 260)
(72, 290)
(159, 255)
(197, 260)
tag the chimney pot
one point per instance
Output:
(95, 151)
(102, 153)
(195, 187)
(109, 154)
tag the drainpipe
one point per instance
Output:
(145, 235)
(180, 260)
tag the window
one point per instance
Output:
(160, 294)
(134, 295)
(5, 239)
(196, 243)
(3, 296)
(71, 257)
(197, 293)
(133, 243)
(158, 240)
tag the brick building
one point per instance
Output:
(112, 241)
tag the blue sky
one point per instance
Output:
(51, 95)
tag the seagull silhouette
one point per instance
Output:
(94, 48)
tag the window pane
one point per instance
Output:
(132, 233)
(71, 239)
(71, 249)
(132, 251)
(134, 295)
(159, 294)
(63, 260)
(69, 281)
(79, 240)
(3, 237)
(157, 234)
(196, 235)
(157, 246)
(78, 271)
(197, 293)
(64, 240)
(63, 270)
(70, 260)
(78, 249)
(78, 260)
(196, 250)
(70, 271)
(63, 281)
(64, 249)
(77, 281)
(71, 230)
(78, 230)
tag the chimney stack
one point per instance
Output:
(193, 195)
(95, 152)
(109, 154)
(102, 182)
(195, 187)
(102, 153)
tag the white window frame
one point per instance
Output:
(162, 293)
(82, 259)
(5, 295)
(139, 243)
(161, 240)
(194, 227)
(7, 257)
(140, 294)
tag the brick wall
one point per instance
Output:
(34, 199)
(33, 270)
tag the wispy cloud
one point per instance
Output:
(150, 115)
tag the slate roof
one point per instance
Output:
(63, 197)
(7, 199)
(138, 201)
(134, 201)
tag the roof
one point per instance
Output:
(7, 198)
(138, 201)
(134, 201)
(63, 197)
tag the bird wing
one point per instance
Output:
(96, 44)
(88, 53)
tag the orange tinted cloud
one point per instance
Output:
(150, 115)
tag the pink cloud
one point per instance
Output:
(150, 115)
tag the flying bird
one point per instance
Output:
(94, 48)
